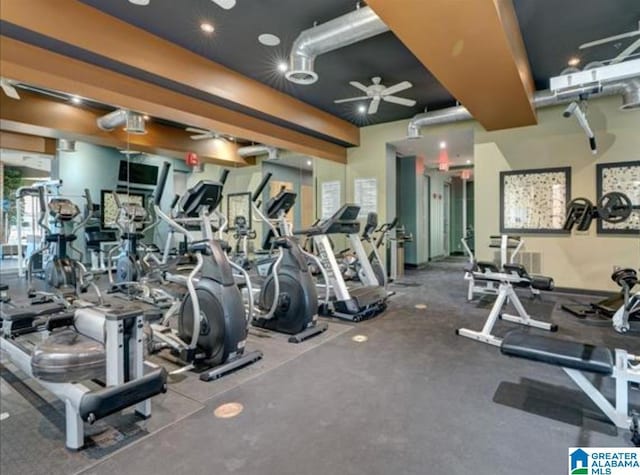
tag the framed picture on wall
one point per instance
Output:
(110, 208)
(534, 201)
(238, 204)
(623, 177)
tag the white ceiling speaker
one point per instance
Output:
(202, 134)
(226, 4)
(9, 90)
(379, 92)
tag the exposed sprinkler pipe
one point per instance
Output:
(629, 89)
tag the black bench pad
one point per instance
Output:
(25, 313)
(568, 354)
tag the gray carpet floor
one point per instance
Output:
(413, 398)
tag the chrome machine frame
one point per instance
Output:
(505, 293)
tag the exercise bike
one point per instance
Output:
(288, 298)
(212, 325)
(62, 273)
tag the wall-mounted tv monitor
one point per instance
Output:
(110, 208)
(138, 173)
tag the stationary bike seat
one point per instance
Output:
(67, 356)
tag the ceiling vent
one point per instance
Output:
(255, 150)
(132, 121)
(347, 29)
(65, 145)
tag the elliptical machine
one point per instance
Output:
(212, 325)
(131, 221)
(242, 234)
(288, 296)
(61, 272)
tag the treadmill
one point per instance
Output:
(356, 303)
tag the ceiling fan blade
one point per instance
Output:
(196, 130)
(373, 107)
(340, 101)
(359, 85)
(226, 4)
(401, 86)
(9, 90)
(609, 39)
(200, 137)
(399, 100)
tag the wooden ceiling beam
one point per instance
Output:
(27, 143)
(474, 48)
(48, 119)
(38, 67)
(85, 27)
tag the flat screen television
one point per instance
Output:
(138, 173)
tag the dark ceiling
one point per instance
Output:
(552, 31)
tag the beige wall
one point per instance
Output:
(369, 161)
(580, 260)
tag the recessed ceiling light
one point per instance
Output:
(309, 162)
(283, 66)
(142, 3)
(76, 100)
(207, 27)
(468, 162)
(268, 39)
(573, 61)
(362, 109)
(443, 145)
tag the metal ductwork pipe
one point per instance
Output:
(132, 121)
(66, 145)
(347, 29)
(628, 88)
(253, 150)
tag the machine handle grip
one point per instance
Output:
(175, 201)
(224, 175)
(87, 196)
(116, 198)
(263, 183)
(164, 174)
(43, 201)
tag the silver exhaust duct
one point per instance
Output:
(254, 150)
(132, 121)
(347, 29)
(66, 145)
(628, 88)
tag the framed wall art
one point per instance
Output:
(623, 177)
(534, 201)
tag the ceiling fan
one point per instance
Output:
(624, 54)
(9, 89)
(379, 92)
(202, 134)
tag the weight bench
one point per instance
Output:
(578, 358)
(512, 275)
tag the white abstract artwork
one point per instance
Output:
(534, 200)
